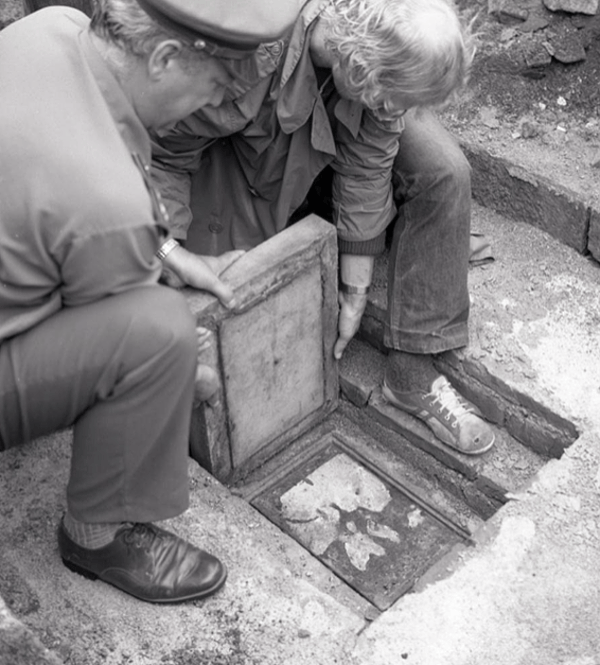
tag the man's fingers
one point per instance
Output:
(339, 348)
(351, 311)
(224, 293)
(206, 385)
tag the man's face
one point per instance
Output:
(186, 88)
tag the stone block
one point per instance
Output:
(567, 46)
(273, 351)
(573, 6)
(521, 195)
(360, 372)
(594, 235)
(506, 467)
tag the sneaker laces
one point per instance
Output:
(449, 400)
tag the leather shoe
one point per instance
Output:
(147, 562)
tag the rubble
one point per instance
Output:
(565, 45)
(573, 6)
(547, 33)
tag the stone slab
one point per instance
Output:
(286, 334)
(379, 568)
(359, 523)
(521, 194)
(272, 351)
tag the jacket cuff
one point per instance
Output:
(362, 247)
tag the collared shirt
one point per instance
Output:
(247, 186)
(76, 221)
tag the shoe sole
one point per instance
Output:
(75, 568)
(424, 417)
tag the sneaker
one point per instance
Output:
(455, 421)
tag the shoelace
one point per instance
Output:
(140, 534)
(450, 401)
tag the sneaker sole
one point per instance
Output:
(431, 422)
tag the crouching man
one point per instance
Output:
(88, 338)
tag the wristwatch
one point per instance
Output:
(166, 248)
(358, 290)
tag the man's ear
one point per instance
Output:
(163, 56)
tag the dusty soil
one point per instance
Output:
(529, 107)
(514, 72)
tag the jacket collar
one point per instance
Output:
(299, 94)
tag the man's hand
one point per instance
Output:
(352, 307)
(355, 270)
(207, 382)
(183, 268)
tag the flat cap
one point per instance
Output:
(225, 28)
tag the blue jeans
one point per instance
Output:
(428, 299)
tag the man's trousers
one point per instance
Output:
(428, 297)
(121, 372)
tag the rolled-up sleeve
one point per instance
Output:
(363, 202)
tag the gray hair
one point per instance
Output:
(126, 25)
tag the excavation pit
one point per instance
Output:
(365, 488)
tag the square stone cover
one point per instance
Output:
(376, 537)
(273, 352)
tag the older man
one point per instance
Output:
(351, 93)
(87, 336)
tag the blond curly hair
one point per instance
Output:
(417, 51)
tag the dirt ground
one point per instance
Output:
(528, 107)
(507, 77)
